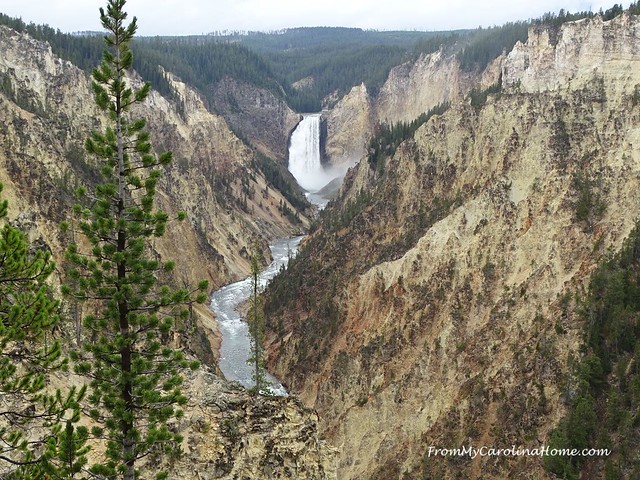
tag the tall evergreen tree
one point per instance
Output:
(30, 415)
(256, 325)
(135, 374)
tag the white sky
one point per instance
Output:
(179, 17)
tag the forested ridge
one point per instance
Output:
(198, 63)
(336, 58)
(303, 66)
(602, 393)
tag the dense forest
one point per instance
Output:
(303, 66)
(335, 59)
(200, 64)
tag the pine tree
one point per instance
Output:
(66, 454)
(256, 325)
(135, 387)
(31, 414)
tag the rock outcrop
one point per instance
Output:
(410, 90)
(432, 307)
(555, 59)
(229, 434)
(349, 126)
(256, 113)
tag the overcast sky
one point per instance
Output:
(180, 17)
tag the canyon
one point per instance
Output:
(46, 112)
(433, 302)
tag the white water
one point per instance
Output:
(236, 343)
(304, 155)
(306, 166)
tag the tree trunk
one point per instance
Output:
(126, 423)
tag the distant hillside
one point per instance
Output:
(198, 61)
(321, 61)
(302, 66)
(334, 59)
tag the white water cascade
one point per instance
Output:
(236, 342)
(304, 155)
(306, 166)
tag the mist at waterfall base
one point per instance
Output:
(236, 342)
(305, 161)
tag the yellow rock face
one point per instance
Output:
(410, 90)
(457, 279)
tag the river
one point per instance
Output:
(236, 344)
(306, 166)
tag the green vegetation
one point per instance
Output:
(263, 60)
(563, 16)
(333, 60)
(331, 38)
(589, 205)
(351, 210)
(604, 393)
(335, 71)
(479, 97)
(20, 98)
(279, 178)
(428, 45)
(32, 415)
(293, 217)
(202, 64)
(487, 44)
(612, 12)
(82, 51)
(387, 138)
(312, 284)
(255, 318)
(135, 389)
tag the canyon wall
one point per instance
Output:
(47, 110)
(433, 304)
(256, 113)
(411, 89)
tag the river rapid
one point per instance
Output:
(236, 343)
(306, 166)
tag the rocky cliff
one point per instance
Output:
(432, 306)
(46, 111)
(411, 89)
(229, 434)
(256, 113)
(415, 87)
(349, 126)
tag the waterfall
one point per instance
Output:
(304, 155)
